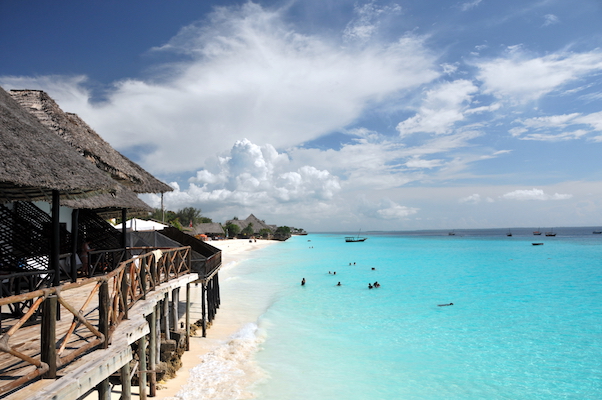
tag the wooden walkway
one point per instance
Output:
(100, 319)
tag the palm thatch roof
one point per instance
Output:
(258, 225)
(209, 228)
(109, 205)
(87, 142)
(34, 161)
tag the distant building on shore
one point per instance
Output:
(257, 224)
(210, 229)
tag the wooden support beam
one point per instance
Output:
(126, 382)
(55, 247)
(124, 216)
(204, 308)
(143, 366)
(165, 316)
(173, 312)
(104, 390)
(152, 351)
(48, 336)
(74, 240)
(188, 317)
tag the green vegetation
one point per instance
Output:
(181, 218)
(232, 230)
(248, 231)
(283, 230)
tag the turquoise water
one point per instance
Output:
(525, 321)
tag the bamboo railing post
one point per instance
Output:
(143, 264)
(152, 351)
(143, 367)
(104, 306)
(204, 308)
(124, 293)
(126, 381)
(48, 336)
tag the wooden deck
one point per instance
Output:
(108, 311)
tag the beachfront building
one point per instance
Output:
(77, 331)
(257, 225)
(213, 230)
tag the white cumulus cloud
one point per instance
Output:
(534, 194)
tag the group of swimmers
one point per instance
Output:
(370, 285)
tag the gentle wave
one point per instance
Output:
(227, 372)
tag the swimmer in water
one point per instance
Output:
(369, 286)
(339, 284)
(303, 282)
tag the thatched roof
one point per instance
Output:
(87, 142)
(258, 225)
(109, 205)
(209, 228)
(34, 161)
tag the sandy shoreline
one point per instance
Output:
(226, 322)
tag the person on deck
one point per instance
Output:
(85, 256)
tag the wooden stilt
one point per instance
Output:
(142, 375)
(126, 382)
(104, 390)
(165, 316)
(152, 351)
(188, 317)
(173, 313)
(204, 309)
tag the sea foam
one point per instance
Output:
(226, 373)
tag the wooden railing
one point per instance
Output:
(96, 312)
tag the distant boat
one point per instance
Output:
(509, 233)
(452, 233)
(597, 232)
(551, 233)
(537, 232)
(537, 244)
(357, 238)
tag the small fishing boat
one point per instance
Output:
(597, 232)
(509, 233)
(537, 232)
(537, 244)
(357, 238)
(452, 233)
(551, 233)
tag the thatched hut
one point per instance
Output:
(257, 224)
(34, 161)
(87, 142)
(210, 229)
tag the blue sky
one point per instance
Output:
(335, 115)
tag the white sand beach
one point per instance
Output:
(227, 321)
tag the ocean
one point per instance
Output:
(526, 321)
